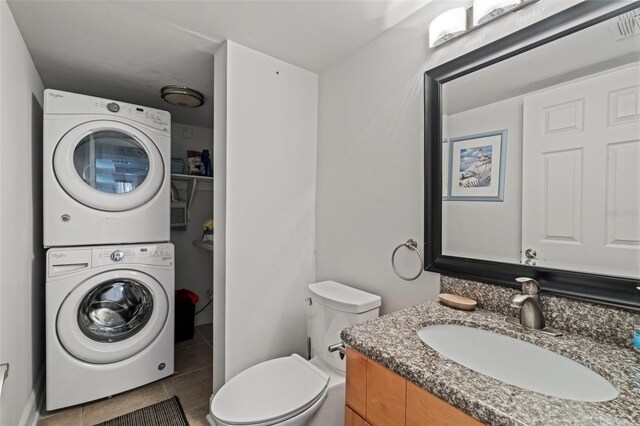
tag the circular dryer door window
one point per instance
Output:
(108, 165)
(111, 161)
(112, 316)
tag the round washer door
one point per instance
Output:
(108, 165)
(112, 316)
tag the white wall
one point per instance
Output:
(219, 215)
(497, 234)
(194, 270)
(21, 254)
(370, 151)
(270, 173)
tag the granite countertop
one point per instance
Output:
(392, 341)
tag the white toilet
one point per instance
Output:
(292, 391)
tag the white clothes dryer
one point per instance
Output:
(109, 320)
(106, 171)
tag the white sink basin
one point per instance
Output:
(518, 363)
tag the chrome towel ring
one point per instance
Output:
(411, 244)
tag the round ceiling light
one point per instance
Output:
(182, 96)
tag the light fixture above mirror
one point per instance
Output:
(459, 21)
(487, 10)
(447, 26)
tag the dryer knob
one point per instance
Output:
(117, 256)
(113, 107)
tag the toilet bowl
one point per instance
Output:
(293, 391)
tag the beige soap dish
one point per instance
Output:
(458, 302)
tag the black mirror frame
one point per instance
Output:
(595, 288)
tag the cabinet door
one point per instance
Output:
(424, 408)
(356, 387)
(351, 418)
(386, 396)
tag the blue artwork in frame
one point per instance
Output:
(477, 166)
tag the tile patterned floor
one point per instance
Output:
(192, 382)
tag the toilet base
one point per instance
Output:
(332, 411)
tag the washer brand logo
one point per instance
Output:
(65, 218)
(58, 255)
(56, 95)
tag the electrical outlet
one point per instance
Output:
(210, 294)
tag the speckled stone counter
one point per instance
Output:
(606, 324)
(392, 341)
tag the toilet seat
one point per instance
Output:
(270, 392)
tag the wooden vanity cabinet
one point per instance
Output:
(351, 418)
(356, 386)
(376, 396)
(386, 396)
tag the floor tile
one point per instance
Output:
(46, 413)
(124, 403)
(193, 389)
(207, 331)
(197, 339)
(66, 417)
(197, 416)
(193, 358)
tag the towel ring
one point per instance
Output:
(411, 245)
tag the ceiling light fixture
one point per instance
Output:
(182, 96)
(459, 21)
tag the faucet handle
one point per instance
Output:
(529, 285)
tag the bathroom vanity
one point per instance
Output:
(377, 395)
(394, 378)
(495, 108)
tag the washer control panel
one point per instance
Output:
(63, 261)
(148, 254)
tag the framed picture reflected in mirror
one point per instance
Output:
(477, 167)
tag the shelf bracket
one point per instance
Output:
(4, 373)
(194, 183)
(191, 190)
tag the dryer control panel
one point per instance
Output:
(57, 102)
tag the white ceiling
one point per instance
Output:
(583, 53)
(127, 50)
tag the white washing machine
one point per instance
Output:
(106, 171)
(109, 320)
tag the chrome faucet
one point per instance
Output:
(531, 316)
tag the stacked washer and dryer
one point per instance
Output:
(110, 267)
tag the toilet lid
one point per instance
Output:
(269, 392)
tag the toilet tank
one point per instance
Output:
(333, 308)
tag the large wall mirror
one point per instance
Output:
(533, 159)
